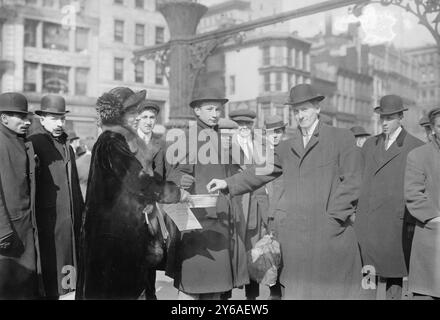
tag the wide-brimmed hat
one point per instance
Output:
(207, 95)
(424, 121)
(52, 104)
(390, 104)
(147, 104)
(274, 122)
(13, 102)
(359, 132)
(303, 93)
(242, 115)
(127, 97)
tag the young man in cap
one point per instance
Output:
(208, 262)
(19, 258)
(383, 225)
(321, 168)
(361, 135)
(255, 204)
(422, 195)
(59, 200)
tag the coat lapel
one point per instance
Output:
(297, 144)
(393, 151)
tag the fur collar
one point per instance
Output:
(133, 141)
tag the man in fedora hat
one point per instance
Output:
(255, 204)
(19, 257)
(360, 134)
(209, 262)
(321, 175)
(59, 201)
(383, 225)
(426, 125)
(422, 195)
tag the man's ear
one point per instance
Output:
(4, 118)
(197, 111)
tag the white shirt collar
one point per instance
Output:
(145, 137)
(395, 134)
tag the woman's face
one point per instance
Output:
(129, 118)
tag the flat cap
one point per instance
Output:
(242, 115)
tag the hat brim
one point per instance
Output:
(378, 111)
(243, 118)
(135, 99)
(276, 127)
(43, 113)
(197, 102)
(296, 103)
(17, 111)
(358, 135)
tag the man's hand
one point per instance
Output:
(186, 181)
(216, 185)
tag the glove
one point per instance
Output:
(11, 245)
(6, 242)
(186, 181)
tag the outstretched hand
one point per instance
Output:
(216, 185)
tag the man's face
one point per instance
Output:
(17, 122)
(209, 113)
(146, 121)
(428, 132)
(390, 123)
(306, 114)
(360, 141)
(275, 135)
(54, 124)
(245, 128)
(436, 127)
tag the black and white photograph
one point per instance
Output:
(241, 151)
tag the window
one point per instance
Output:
(292, 62)
(30, 33)
(299, 60)
(279, 81)
(266, 56)
(55, 37)
(160, 35)
(279, 53)
(159, 75)
(55, 79)
(81, 81)
(292, 80)
(118, 69)
(81, 39)
(280, 111)
(30, 77)
(231, 84)
(266, 82)
(139, 72)
(139, 4)
(119, 31)
(140, 35)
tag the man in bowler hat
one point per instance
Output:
(383, 225)
(59, 201)
(321, 174)
(360, 134)
(426, 125)
(19, 257)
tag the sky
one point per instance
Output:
(379, 23)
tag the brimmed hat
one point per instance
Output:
(424, 121)
(390, 104)
(52, 104)
(274, 122)
(13, 102)
(146, 104)
(207, 95)
(359, 132)
(242, 115)
(128, 97)
(72, 136)
(303, 93)
(224, 123)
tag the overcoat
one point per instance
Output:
(321, 184)
(59, 206)
(20, 268)
(211, 260)
(383, 225)
(422, 194)
(118, 247)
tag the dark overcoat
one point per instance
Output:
(118, 248)
(321, 187)
(211, 260)
(383, 225)
(59, 206)
(20, 268)
(422, 194)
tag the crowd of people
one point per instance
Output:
(356, 215)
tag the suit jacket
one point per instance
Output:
(321, 183)
(422, 194)
(384, 238)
